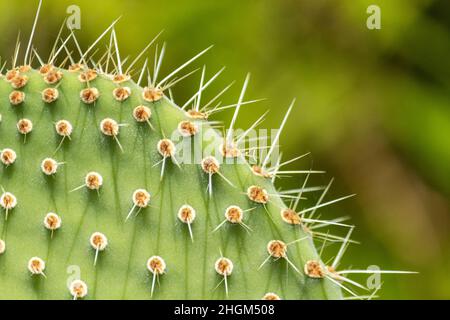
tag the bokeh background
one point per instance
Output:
(373, 106)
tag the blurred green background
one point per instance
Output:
(373, 106)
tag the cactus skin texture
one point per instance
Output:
(120, 271)
(86, 213)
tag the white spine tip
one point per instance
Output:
(210, 165)
(186, 214)
(234, 214)
(52, 221)
(89, 95)
(2, 246)
(75, 67)
(121, 93)
(258, 194)
(63, 128)
(259, 171)
(24, 126)
(8, 201)
(36, 265)
(49, 166)
(290, 216)
(98, 241)
(19, 81)
(11, 74)
(187, 128)
(93, 181)
(88, 75)
(141, 198)
(314, 269)
(152, 94)
(166, 148)
(109, 127)
(229, 150)
(16, 97)
(119, 78)
(50, 95)
(277, 249)
(142, 113)
(194, 114)
(224, 266)
(53, 76)
(271, 296)
(8, 156)
(78, 289)
(43, 70)
(156, 265)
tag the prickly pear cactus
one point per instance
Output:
(97, 204)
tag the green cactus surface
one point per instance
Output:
(120, 271)
(98, 200)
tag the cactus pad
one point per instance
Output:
(97, 203)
